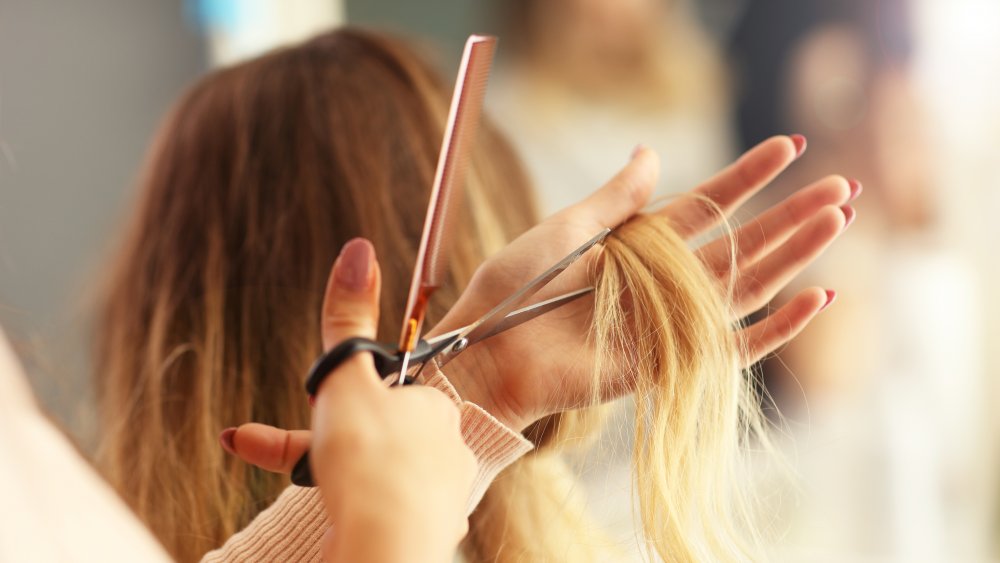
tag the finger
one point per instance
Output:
(773, 227)
(781, 326)
(624, 195)
(730, 188)
(269, 448)
(350, 305)
(759, 283)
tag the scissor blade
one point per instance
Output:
(446, 347)
(489, 321)
(513, 319)
(525, 314)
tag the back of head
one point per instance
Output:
(211, 310)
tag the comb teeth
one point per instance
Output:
(447, 193)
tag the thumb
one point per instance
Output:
(350, 305)
(625, 194)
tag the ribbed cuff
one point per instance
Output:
(292, 527)
(289, 530)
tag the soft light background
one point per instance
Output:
(897, 449)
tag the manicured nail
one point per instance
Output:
(856, 188)
(849, 215)
(353, 268)
(226, 440)
(831, 296)
(800, 144)
(635, 152)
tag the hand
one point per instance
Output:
(544, 366)
(395, 491)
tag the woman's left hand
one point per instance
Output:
(544, 366)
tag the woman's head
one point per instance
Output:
(257, 178)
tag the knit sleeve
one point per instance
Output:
(291, 528)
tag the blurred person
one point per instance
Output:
(883, 390)
(581, 80)
(207, 312)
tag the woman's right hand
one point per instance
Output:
(393, 469)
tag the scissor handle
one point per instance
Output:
(387, 359)
(385, 356)
(302, 472)
(387, 362)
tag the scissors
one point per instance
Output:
(412, 353)
(446, 347)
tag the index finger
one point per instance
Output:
(731, 188)
(272, 449)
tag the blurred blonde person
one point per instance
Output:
(883, 390)
(582, 80)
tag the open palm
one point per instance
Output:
(544, 366)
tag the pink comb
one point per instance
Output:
(449, 180)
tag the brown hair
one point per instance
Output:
(210, 313)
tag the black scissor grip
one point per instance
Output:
(302, 472)
(385, 357)
(387, 362)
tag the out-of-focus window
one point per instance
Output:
(240, 29)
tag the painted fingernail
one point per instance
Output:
(856, 188)
(226, 440)
(831, 296)
(849, 215)
(353, 268)
(800, 144)
(635, 152)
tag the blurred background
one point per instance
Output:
(889, 397)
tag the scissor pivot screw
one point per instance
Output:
(459, 345)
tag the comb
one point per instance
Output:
(447, 191)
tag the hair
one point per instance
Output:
(662, 328)
(210, 314)
(211, 310)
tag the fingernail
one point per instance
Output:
(800, 144)
(353, 268)
(635, 152)
(226, 440)
(856, 188)
(831, 296)
(849, 215)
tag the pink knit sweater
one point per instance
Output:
(291, 528)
